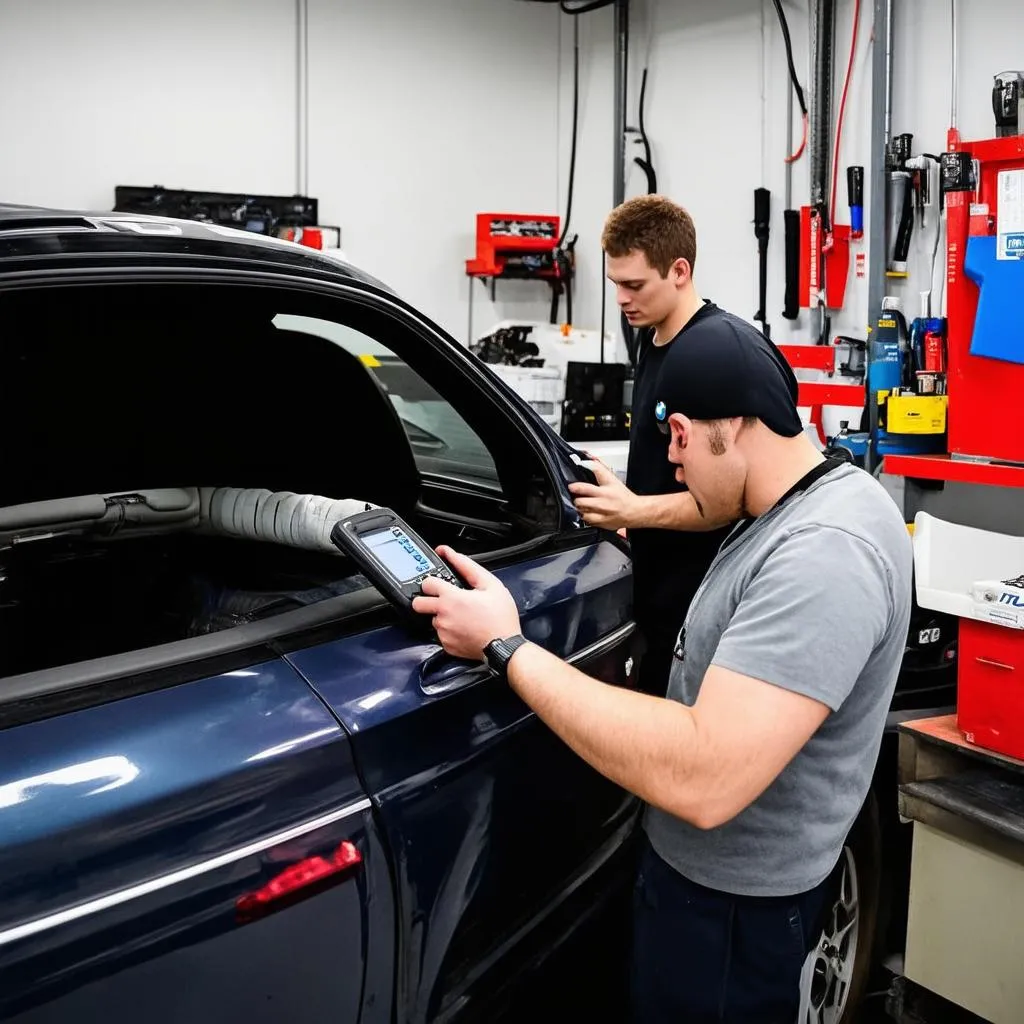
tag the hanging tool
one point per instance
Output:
(900, 204)
(762, 225)
(822, 35)
(645, 163)
(855, 198)
(791, 217)
(1007, 101)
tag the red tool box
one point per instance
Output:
(983, 298)
(990, 693)
(516, 239)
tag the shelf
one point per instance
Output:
(810, 357)
(942, 467)
(812, 393)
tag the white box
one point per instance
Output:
(964, 571)
(543, 387)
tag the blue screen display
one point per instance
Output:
(398, 554)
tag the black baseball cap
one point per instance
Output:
(727, 368)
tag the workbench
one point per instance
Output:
(965, 929)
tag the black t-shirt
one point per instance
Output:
(668, 565)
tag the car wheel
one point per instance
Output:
(844, 955)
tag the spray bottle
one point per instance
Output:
(887, 365)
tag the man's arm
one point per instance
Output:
(611, 505)
(703, 764)
(779, 669)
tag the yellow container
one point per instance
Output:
(916, 414)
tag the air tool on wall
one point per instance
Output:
(790, 215)
(762, 222)
(1008, 103)
(899, 203)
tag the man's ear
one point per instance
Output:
(681, 271)
(681, 427)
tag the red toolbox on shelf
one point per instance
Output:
(978, 576)
(990, 687)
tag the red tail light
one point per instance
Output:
(297, 881)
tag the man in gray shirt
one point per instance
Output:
(757, 761)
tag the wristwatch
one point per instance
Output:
(499, 652)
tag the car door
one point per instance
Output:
(155, 850)
(500, 835)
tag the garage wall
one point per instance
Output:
(990, 41)
(421, 114)
(716, 114)
(135, 92)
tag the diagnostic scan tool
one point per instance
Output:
(394, 558)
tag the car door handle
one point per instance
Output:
(441, 673)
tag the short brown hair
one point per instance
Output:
(655, 226)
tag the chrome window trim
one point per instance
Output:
(605, 644)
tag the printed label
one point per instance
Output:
(1001, 616)
(1010, 216)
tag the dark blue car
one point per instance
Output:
(235, 785)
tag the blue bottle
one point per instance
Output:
(886, 365)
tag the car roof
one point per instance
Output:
(65, 236)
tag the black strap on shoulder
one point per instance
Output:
(801, 485)
(809, 478)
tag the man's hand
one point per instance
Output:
(466, 621)
(609, 503)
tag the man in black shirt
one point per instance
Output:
(651, 247)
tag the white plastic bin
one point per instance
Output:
(964, 571)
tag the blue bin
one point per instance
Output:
(999, 323)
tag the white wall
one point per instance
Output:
(423, 113)
(716, 115)
(191, 94)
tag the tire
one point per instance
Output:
(844, 956)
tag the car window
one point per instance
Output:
(443, 444)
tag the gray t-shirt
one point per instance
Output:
(814, 597)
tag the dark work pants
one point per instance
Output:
(700, 955)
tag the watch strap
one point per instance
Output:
(500, 650)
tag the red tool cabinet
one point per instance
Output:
(985, 390)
